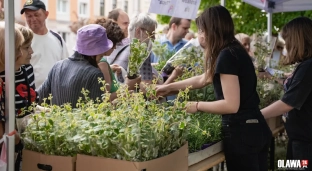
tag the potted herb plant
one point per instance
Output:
(139, 52)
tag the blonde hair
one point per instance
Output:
(19, 39)
(26, 32)
(241, 36)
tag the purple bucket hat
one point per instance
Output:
(92, 40)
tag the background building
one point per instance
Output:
(63, 12)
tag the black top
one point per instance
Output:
(234, 60)
(24, 83)
(298, 94)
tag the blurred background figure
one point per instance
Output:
(245, 40)
(122, 19)
(189, 36)
(165, 29)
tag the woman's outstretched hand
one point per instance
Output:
(191, 107)
(162, 90)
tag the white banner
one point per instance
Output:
(163, 7)
(176, 8)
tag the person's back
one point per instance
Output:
(48, 46)
(69, 77)
(235, 60)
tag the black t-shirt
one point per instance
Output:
(234, 60)
(298, 94)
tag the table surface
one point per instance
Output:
(219, 157)
(208, 162)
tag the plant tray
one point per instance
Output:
(198, 156)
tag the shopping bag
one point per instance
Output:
(3, 156)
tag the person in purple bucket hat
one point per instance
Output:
(68, 77)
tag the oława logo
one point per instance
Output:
(292, 164)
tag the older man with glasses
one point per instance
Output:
(141, 27)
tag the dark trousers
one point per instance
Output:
(246, 145)
(298, 150)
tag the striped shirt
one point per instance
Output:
(24, 83)
(67, 78)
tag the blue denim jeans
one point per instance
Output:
(246, 145)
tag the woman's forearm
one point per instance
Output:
(192, 83)
(276, 109)
(216, 107)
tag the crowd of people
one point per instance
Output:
(44, 67)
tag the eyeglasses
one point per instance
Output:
(149, 33)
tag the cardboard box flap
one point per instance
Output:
(34, 161)
(176, 161)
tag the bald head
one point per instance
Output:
(121, 18)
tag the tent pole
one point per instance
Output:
(10, 80)
(269, 26)
(223, 3)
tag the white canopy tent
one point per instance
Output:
(275, 6)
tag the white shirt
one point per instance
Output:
(47, 51)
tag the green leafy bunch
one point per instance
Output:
(262, 51)
(138, 54)
(135, 127)
(207, 127)
(269, 91)
(189, 56)
(161, 51)
(209, 130)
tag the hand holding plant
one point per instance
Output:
(133, 84)
(138, 54)
(191, 107)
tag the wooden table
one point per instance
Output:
(219, 157)
(208, 163)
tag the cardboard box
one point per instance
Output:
(198, 156)
(176, 161)
(34, 161)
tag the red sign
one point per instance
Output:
(304, 163)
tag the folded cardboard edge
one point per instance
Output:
(198, 156)
(41, 155)
(183, 148)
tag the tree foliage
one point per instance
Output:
(247, 19)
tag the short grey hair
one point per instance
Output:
(142, 20)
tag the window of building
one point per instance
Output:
(126, 6)
(62, 6)
(102, 7)
(83, 8)
(114, 4)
